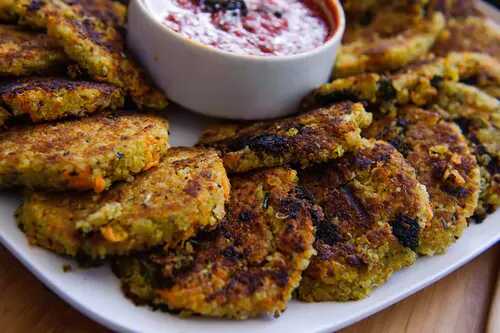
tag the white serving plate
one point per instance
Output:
(96, 292)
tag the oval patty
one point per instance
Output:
(84, 154)
(247, 267)
(374, 213)
(166, 205)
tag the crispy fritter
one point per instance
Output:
(35, 13)
(473, 34)
(92, 42)
(478, 115)
(247, 267)
(444, 164)
(371, 51)
(89, 153)
(417, 84)
(25, 52)
(374, 213)
(99, 49)
(165, 205)
(53, 98)
(316, 136)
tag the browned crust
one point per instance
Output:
(55, 98)
(24, 52)
(374, 212)
(99, 49)
(247, 267)
(445, 165)
(83, 154)
(166, 205)
(311, 137)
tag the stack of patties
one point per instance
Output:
(253, 261)
(440, 111)
(98, 181)
(455, 87)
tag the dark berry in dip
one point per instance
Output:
(253, 27)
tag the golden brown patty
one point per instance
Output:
(247, 267)
(473, 34)
(24, 52)
(89, 153)
(374, 213)
(366, 50)
(54, 98)
(99, 49)
(35, 13)
(166, 205)
(478, 115)
(444, 164)
(87, 37)
(417, 84)
(316, 136)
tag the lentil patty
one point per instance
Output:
(311, 137)
(25, 52)
(53, 98)
(478, 115)
(247, 267)
(99, 49)
(444, 164)
(370, 51)
(87, 32)
(374, 213)
(84, 154)
(416, 84)
(165, 205)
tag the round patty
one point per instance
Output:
(307, 138)
(44, 99)
(369, 50)
(415, 84)
(25, 52)
(374, 213)
(445, 165)
(89, 153)
(247, 267)
(99, 49)
(478, 115)
(165, 205)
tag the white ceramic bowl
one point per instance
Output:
(222, 84)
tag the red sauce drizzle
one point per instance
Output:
(268, 27)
